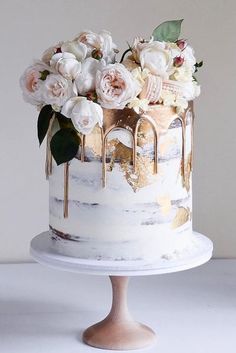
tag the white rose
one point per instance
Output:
(189, 58)
(98, 41)
(48, 53)
(90, 39)
(115, 86)
(109, 49)
(31, 82)
(191, 90)
(66, 64)
(85, 81)
(155, 57)
(76, 48)
(56, 90)
(84, 114)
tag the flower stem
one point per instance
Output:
(125, 52)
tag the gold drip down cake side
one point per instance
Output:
(127, 195)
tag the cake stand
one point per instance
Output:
(118, 330)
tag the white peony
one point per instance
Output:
(78, 49)
(57, 90)
(66, 65)
(84, 114)
(115, 86)
(31, 82)
(98, 41)
(155, 57)
(85, 81)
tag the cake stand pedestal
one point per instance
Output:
(118, 330)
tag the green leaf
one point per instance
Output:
(63, 121)
(168, 31)
(44, 74)
(200, 64)
(197, 65)
(64, 145)
(44, 118)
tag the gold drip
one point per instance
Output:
(129, 120)
(192, 132)
(158, 119)
(82, 155)
(117, 119)
(155, 132)
(66, 188)
(183, 125)
(104, 143)
(48, 162)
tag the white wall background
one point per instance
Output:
(28, 27)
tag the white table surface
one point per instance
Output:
(45, 311)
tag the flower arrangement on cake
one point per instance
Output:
(76, 80)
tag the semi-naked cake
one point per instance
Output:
(119, 144)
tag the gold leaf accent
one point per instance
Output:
(93, 141)
(144, 165)
(187, 172)
(181, 217)
(188, 169)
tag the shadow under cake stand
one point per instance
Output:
(118, 330)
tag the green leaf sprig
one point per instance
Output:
(168, 31)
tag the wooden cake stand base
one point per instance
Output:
(118, 331)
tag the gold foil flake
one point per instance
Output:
(181, 217)
(188, 169)
(165, 204)
(143, 175)
(93, 141)
(119, 152)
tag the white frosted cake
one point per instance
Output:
(119, 144)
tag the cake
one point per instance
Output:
(119, 144)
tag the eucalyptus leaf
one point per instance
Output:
(44, 118)
(64, 145)
(168, 31)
